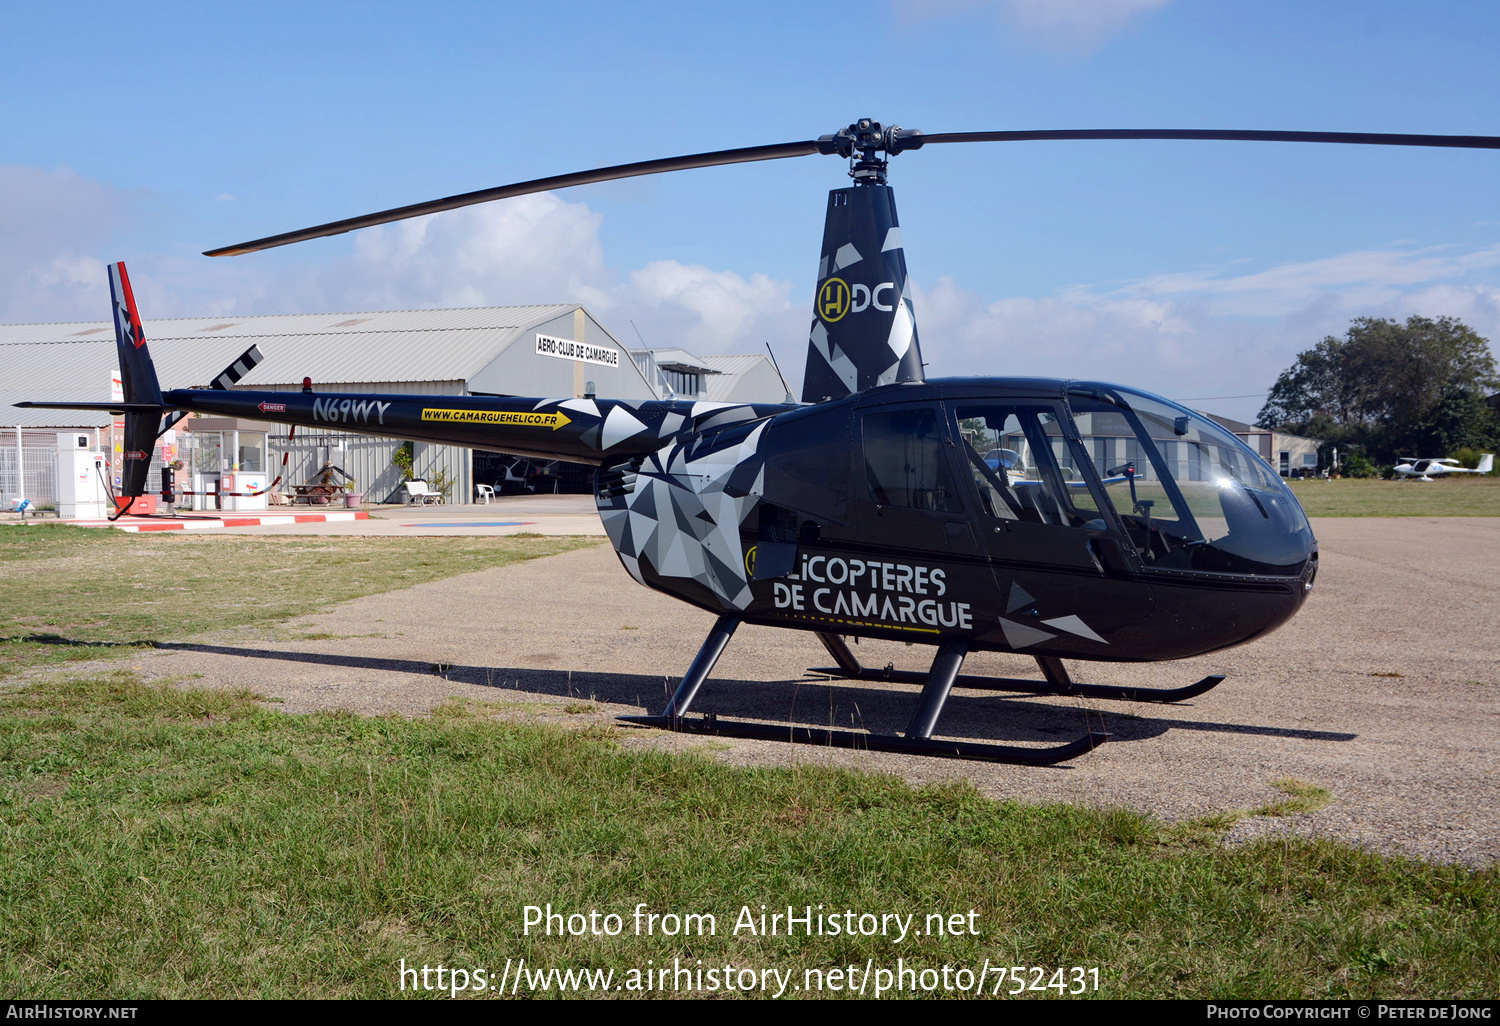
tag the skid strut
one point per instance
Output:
(1057, 682)
(937, 683)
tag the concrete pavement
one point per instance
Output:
(507, 514)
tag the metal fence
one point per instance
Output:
(40, 469)
(368, 460)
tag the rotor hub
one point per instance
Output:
(863, 143)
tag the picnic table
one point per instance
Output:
(328, 482)
(318, 494)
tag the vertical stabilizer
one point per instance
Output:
(137, 380)
(864, 332)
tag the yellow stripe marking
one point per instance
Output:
(516, 419)
(864, 623)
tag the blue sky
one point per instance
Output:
(151, 132)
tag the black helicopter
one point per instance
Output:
(1062, 519)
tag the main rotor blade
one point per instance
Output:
(603, 174)
(1471, 142)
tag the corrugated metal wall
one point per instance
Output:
(368, 459)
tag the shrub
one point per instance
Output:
(1357, 464)
(1467, 458)
(402, 460)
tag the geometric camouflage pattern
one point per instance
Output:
(603, 424)
(864, 331)
(679, 512)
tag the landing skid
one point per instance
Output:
(1058, 681)
(937, 683)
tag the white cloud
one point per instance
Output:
(534, 249)
(1362, 278)
(52, 225)
(1200, 333)
(1218, 331)
(710, 311)
(1061, 26)
(538, 249)
(1079, 26)
(1176, 348)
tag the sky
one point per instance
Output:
(153, 131)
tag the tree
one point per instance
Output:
(1460, 420)
(1390, 387)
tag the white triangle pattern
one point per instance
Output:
(690, 516)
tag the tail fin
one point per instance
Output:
(1487, 463)
(138, 379)
(864, 333)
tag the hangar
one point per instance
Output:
(1289, 455)
(547, 350)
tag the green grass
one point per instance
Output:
(164, 842)
(158, 841)
(78, 593)
(1351, 497)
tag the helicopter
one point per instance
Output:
(1053, 518)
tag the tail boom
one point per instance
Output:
(592, 431)
(579, 430)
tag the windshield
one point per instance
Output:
(1192, 495)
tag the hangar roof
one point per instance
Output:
(680, 360)
(731, 370)
(73, 361)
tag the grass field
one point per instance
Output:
(164, 842)
(1350, 497)
(157, 841)
(73, 593)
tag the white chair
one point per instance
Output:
(418, 494)
(485, 493)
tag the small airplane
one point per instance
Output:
(1412, 469)
(1052, 518)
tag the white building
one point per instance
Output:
(551, 350)
(1285, 453)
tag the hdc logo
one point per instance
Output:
(836, 298)
(833, 299)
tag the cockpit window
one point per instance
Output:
(904, 461)
(1022, 466)
(1191, 494)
